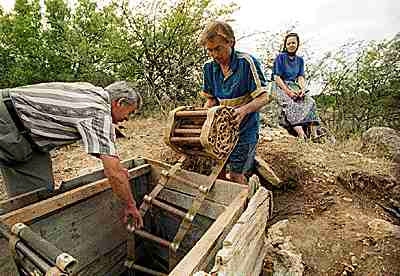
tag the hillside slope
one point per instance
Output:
(341, 205)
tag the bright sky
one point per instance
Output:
(325, 24)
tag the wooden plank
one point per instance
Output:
(248, 251)
(223, 192)
(20, 201)
(261, 197)
(196, 258)
(267, 172)
(251, 252)
(258, 267)
(209, 208)
(57, 202)
(243, 245)
(42, 193)
(110, 263)
(86, 230)
(25, 199)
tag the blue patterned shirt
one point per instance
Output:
(245, 82)
(287, 68)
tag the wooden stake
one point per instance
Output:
(186, 140)
(194, 113)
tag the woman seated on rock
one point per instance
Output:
(298, 109)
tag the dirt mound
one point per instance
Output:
(338, 202)
(338, 193)
(383, 190)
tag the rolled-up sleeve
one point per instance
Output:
(207, 81)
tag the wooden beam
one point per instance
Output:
(223, 192)
(192, 113)
(244, 245)
(186, 140)
(209, 208)
(57, 202)
(25, 199)
(197, 257)
(267, 172)
(188, 131)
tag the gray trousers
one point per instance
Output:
(23, 167)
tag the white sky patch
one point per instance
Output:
(7, 5)
(324, 24)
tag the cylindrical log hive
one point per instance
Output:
(200, 131)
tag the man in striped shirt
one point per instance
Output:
(37, 118)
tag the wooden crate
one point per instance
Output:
(84, 219)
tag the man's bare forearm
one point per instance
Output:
(118, 179)
(257, 103)
(121, 188)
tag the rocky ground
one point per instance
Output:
(342, 206)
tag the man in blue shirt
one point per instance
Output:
(234, 79)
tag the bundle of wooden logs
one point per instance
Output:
(244, 248)
(205, 132)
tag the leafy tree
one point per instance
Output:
(164, 54)
(21, 41)
(153, 44)
(6, 55)
(56, 34)
(90, 48)
(363, 91)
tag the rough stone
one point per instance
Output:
(382, 141)
(286, 261)
(379, 228)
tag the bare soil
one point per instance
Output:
(337, 194)
(331, 195)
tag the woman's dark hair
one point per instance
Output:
(287, 37)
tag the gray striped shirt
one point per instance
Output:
(61, 113)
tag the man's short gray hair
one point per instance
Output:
(124, 89)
